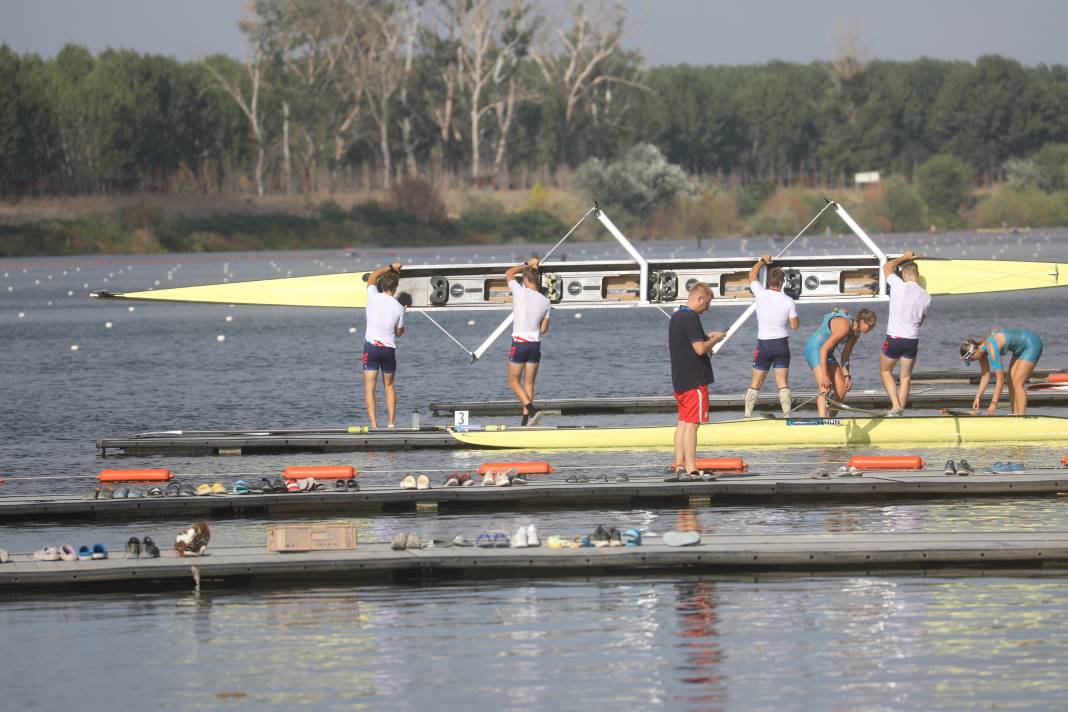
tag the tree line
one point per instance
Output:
(337, 95)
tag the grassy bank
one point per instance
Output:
(415, 215)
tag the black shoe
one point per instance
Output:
(133, 548)
(600, 534)
(963, 468)
(526, 419)
(149, 548)
(951, 468)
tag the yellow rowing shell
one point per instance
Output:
(942, 430)
(349, 289)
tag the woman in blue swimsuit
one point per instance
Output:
(1026, 348)
(835, 329)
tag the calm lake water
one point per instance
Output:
(837, 642)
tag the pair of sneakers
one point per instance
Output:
(406, 540)
(961, 468)
(679, 474)
(504, 478)
(136, 549)
(412, 482)
(525, 537)
(458, 479)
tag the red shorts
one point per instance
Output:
(693, 405)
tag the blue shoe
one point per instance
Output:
(240, 487)
(632, 537)
(501, 540)
(99, 552)
(1016, 466)
(484, 540)
(1000, 467)
(84, 553)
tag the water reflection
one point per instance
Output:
(697, 620)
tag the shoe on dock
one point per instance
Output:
(674, 538)
(963, 468)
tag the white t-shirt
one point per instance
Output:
(908, 307)
(384, 315)
(528, 309)
(774, 311)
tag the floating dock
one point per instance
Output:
(768, 401)
(796, 554)
(548, 494)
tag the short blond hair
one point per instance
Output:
(701, 288)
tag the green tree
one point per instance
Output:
(944, 181)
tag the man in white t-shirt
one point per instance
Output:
(776, 316)
(385, 322)
(530, 319)
(908, 309)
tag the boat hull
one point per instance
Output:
(940, 430)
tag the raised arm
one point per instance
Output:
(372, 279)
(754, 272)
(891, 265)
(510, 274)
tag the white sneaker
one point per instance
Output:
(519, 539)
(489, 480)
(532, 536)
(502, 480)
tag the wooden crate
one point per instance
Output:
(312, 536)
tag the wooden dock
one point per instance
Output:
(875, 399)
(722, 554)
(550, 493)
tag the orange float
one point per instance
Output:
(1057, 378)
(522, 468)
(134, 475)
(321, 472)
(1064, 460)
(887, 462)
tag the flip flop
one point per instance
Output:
(218, 488)
(674, 538)
(203, 490)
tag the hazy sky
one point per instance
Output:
(665, 31)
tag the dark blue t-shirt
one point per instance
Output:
(688, 370)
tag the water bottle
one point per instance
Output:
(415, 419)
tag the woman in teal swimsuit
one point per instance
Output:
(1026, 348)
(835, 328)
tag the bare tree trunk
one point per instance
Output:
(259, 168)
(505, 112)
(287, 162)
(383, 147)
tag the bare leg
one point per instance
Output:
(689, 445)
(1020, 372)
(391, 396)
(369, 379)
(680, 451)
(838, 384)
(782, 377)
(821, 402)
(757, 381)
(905, 381)
(531, 373)
(515, 371)
(886, 373)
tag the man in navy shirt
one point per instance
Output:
(691, 372)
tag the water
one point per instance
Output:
(861, 642)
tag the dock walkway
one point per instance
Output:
(797, 554)
(550, 493)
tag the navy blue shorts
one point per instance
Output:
(771, 352)
(525, 352)
(895, 348)
(379, 358)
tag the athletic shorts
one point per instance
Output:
(1032, 347)
(693, 405)
(896, 347)
(771, 353)
(812, 353)
(525, 352)
(379, 358)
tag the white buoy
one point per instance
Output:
(36, 281)
(220, 338)
(22, 315)
(352, 329)
(10, 288)
(470, 322)
(157, 282)
(107, 324)
(129, 309)
(70, 292)
(229, 318)
(74, 347)
(49, 303)
(578, 315)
